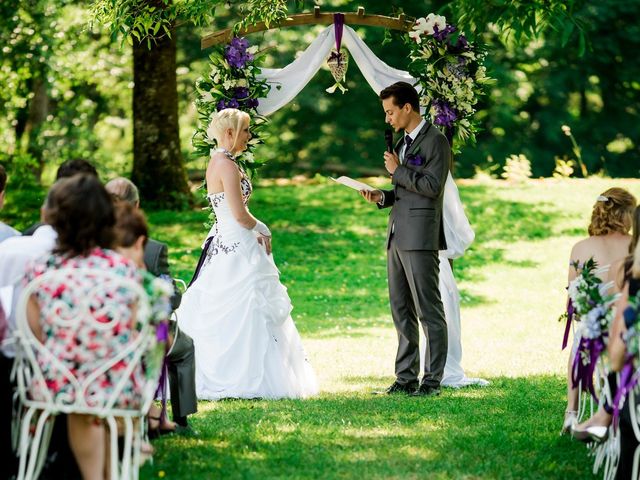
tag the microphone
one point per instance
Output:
(388, 138)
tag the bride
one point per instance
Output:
(235, 309)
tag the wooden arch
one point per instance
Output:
(315, 18)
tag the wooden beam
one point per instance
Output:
(315, 18)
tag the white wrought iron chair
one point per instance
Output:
(634, 412)
(606, 454)
(90, 285)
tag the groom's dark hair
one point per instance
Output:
(402, 93)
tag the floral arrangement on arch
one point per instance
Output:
(450, 73)
(232, 82)
(589, 303)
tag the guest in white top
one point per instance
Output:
(16, 253)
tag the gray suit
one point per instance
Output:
(181, 358)
(414, 236)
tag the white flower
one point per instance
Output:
(207, 97)
(419, 29)
(252, 50)
(227, 84)
(162, 286)
(242, 82)
(434, 21)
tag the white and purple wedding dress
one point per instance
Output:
(239, 316)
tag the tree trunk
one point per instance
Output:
(158, 169)
(28, 126)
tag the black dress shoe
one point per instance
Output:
(406, 388)
(426, 391)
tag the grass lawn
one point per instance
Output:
(329, 246)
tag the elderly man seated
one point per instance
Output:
(181, 357)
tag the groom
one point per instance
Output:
(418, 166)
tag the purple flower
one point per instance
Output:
(236, 52)
(241, 92)
(253, 103)
(233, 103)
(239, 43)
(414, 160)
(462, 42)
(441, 35)
(162, 332)
(445, 115)
(221, 105)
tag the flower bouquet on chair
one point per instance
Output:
(590, 303)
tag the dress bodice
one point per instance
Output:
(218, 201)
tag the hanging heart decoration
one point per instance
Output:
(338, 62)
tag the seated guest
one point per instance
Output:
(607, 243)
(16, 253)
(5, 230)
(83, 217)
(627, 316)
(65, 170)
(181, 358)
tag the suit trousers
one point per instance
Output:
(181, 366)
(414, 295)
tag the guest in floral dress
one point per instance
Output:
(83, 217)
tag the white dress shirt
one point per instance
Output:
(413, 134)
(16, 253)
(7, 232)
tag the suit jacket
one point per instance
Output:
(156, 259)
(415, 220)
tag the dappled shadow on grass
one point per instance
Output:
(330, 248)
(506, 430)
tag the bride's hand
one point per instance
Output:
(266, 242)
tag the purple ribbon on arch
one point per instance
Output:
(584, 373)
(338, 24)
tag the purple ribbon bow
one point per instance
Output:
(628, 380)
(570, 312)
(584, 373)
(338, 23)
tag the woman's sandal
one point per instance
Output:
(155, 432)
(570, 419)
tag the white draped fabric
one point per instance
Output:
(287, 82)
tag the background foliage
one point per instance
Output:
(67, 86)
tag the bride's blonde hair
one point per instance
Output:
(224, 119)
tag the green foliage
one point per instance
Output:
(524, 19)
(146, 20)
(66, 91)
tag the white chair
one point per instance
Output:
(634, 411)
(89, 286)
(607, 453)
